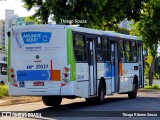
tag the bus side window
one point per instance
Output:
(121, 51)
(134, 52)
(79, 47)
(127, 51)
(106, 54)
(99, 55)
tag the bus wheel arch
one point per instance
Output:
(133, 93)
(101, 91)
(135, 80)
(52, 100)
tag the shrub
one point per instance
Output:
(152, 87)
(3, 90)
(156, 87)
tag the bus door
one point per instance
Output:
(92, 65)
(114, 66)
(140, 62)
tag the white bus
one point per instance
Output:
(3, 72)
(58, 61)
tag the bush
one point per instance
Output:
(152, 87)
(3, 90)
(156, 87)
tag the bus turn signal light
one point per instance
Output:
(11, 70)
(66, 69)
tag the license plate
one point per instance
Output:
(38, 84)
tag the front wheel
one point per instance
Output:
(133, 94)
(52, 100)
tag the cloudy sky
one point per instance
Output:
(15, 5)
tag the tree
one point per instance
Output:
(149, 28)
(100, 14)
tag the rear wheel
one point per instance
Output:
(52, 100)
(133, 94)
(101, 94)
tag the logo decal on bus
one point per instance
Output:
(36, 37)
(21, 84)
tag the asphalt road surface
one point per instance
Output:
(117, 107)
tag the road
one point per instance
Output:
(78, 109)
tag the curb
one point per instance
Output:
(18, 100)
(147, 90)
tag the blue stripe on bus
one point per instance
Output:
(108, 70)
(31, 75)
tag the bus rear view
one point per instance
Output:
(37, 58)
(55, 61)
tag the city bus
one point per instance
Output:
(3, 73)
(60, 61)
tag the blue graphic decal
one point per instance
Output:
(36, 37)
(31, 75)
(108, 70)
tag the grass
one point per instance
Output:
(3, 90)
(156, 87)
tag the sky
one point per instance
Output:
(15, 5)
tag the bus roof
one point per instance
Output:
(106, 33)
(81, 29)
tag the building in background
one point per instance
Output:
(19, 21)
(2, 35)
(3, 53)
(13, 20)
(9, 14)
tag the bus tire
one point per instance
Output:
(133, 94)
(52, 100)
(101, 93)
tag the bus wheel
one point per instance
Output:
(52, 100)
(101, 94)
(133, 94)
